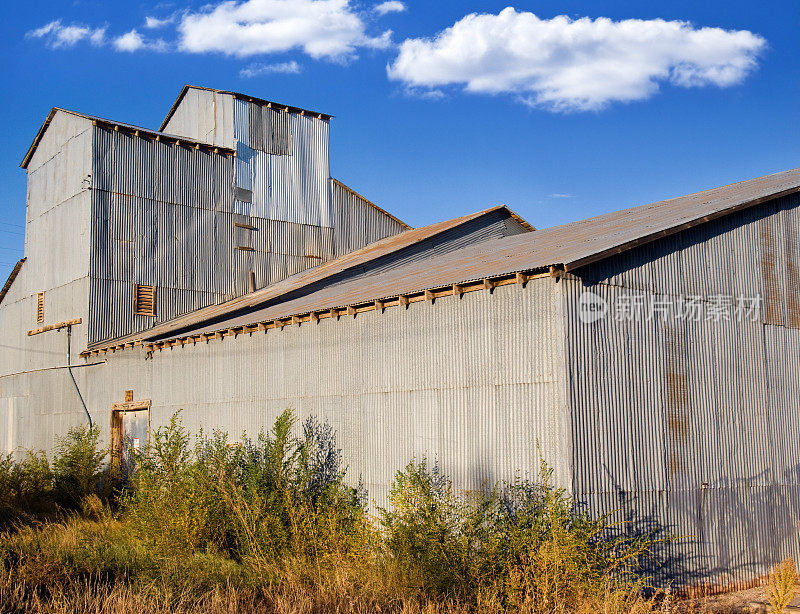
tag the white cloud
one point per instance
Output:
(561, 195)
(392, 6)
(133, 41)
(328, 29)
(152, 23)
(255, 70)
(575, 65)
(58, 35)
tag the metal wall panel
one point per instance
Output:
(472, 382)
(690, 425)
(357, 222)
(292, 185)
(204, 116)
(159, 211)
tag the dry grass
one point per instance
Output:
(271, 526)
(782, 586)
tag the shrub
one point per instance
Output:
(782, 586)
(260, 500)
(78, 467)
(26, 488)
(521, 545)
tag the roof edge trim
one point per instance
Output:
(12, 276)
(644, 240)
(240, 96)
(129, 128)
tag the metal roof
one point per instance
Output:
(568, 246)
(130, 128)
(12, 276)
(240, 96)
(325, 270)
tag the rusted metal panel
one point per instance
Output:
(689, 426)
(399, 263)
(791, 231)
(771, 271)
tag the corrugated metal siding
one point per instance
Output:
(164, 215)
(691, 426)
(292, 185)
(204, 116)
(356, 222)
(157, 209)
(476, 386)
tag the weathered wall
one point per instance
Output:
(692, 426)
(473, 382)
(357, 222)
(204, 116)
(56, 249)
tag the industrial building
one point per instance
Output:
(213, 266)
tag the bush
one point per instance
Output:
(260, 500)
(78, 467)
(274, 517)
(521, 546)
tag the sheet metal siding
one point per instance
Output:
(290, 188)
(164, 215)
(157, 211)
(56, 250)
(358, 283)
(204, 116)
(357, 223)
(691, 426)
(472, 382)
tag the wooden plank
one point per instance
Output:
(131, 406)
(429, 295)
(403, 300)
(57, 326)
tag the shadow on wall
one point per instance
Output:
(731, 533)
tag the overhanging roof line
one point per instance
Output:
(318, 273)
(129, 128)
(576, 264)
(12, 276)
(240, 96)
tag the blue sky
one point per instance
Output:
(442, 108)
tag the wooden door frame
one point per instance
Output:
(117, 411)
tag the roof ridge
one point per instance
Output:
(110, 122)
(241, 96)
